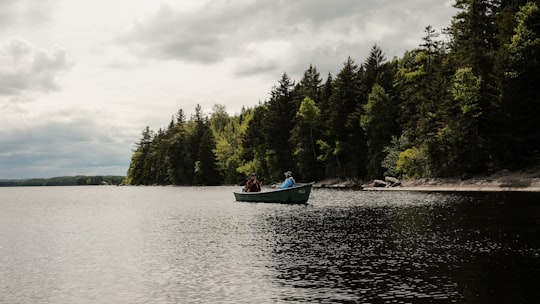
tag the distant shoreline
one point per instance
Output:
(77, 180)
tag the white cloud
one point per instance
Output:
(26, 69)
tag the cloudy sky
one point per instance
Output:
(79, 80)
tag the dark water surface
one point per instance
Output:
(196, 245)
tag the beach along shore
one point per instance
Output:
(527, 180)
(504, 180)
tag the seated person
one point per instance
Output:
(288, 182)
(252, 184)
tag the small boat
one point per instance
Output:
(295, 195)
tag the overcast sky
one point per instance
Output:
(80, 80)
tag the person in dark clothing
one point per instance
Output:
(252, 184)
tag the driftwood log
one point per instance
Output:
(392, 181)
(388, 182)
(379, 183)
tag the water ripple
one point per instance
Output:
(196, 245)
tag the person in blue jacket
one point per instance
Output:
(288, 182)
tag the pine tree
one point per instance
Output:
(206, 172)
(473, 35)
(371, 72)
(139, 168)
(181, 163)
(253, 146)
(307, 95)
(345, 138)
(303, 137)
(522, 97)
(308, 86)
(379, 124)
(277, 125)
(160, 159)
(473, 43)
(203, 146)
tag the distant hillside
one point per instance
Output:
(79, 180)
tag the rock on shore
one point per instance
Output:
(339, 183)
(505, 180)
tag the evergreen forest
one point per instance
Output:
(464, 102)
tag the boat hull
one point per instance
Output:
(295, 195)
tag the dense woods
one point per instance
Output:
(464, 102)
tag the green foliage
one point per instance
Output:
(342, 129)
(308, 112)
(181, 155)
(249, 167)
(206, 171)
(521, 97)
(413, 163)
(466, 92)
(445, 151)
(379, 124)
(443, 109)
(303, 137)
(392, 152)
(525, 44)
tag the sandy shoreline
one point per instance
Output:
(455, 188)
(504, 180)
(525, 181)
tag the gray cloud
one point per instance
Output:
(26, 13)
(27, 69)
(318, 32)
(71, 145)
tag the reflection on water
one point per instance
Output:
(398, 248)
(196, 245)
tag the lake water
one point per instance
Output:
(107, 244)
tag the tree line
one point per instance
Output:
(453, 107)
